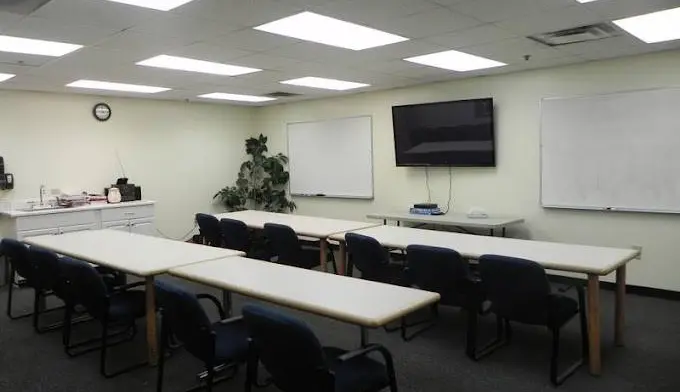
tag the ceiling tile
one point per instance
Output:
(208, 52)
(188, 28)
(252, 40)
(536, 21)
(512, 51)
(241, 13)
(494, 10)
(430, 22)
(625, 8)
(94, 13)
(268, 62)
(7, 20)
(474, 36)
(48, 29)
(138, 47)
(21, 59)
(370, 11)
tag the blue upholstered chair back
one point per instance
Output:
(17, 253)
(284, 243)
(186, 319)
(440, 270)
(209, 228)
(288, 349)
(46, 267)
(87, 287)
(367, 255)
(235, 234)
(517, 288)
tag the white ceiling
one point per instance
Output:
(117, 36)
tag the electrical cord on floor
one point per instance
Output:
(427, 184)
(182, 238)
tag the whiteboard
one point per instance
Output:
(617, 151)
(331, 158)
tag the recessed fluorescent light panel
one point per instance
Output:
(99, 85)
(191, 65)
(4, 76)
(655, 27)
(35, 46)
(236, 97)
(313, 27)
(585, 1)
(161, 5)
(455, 61)
(328, 84)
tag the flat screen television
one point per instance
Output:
(455, 133)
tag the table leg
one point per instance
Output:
(491, 232)
(503, 232)
(595, 360)
(620, 319)
(323, 245)
(364, 337)
(151, 337)
(226, 302)
(384, 221)
(342, 258)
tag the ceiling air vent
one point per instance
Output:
(576, 34)
(22, 7)
(281, 94)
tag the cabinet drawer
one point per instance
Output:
(126, 213)
(60, 219)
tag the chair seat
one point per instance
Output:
(128, 305)
(562, 310)
(361, 374)
(309, 257)
(231, 341)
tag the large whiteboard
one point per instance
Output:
(617, 151)
(333, 158)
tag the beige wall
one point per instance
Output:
(512, 188)
(180, 153)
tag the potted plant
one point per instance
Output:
(261, 183)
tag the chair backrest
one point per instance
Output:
(87, 287)
(284, 243)
(367, 255)
(517, 288)
(17, 254)
(46, 267)
(209, 228)
(288, 349)
(185, 318)
(440, 270)
(235, 234)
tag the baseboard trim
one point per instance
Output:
(632, 289)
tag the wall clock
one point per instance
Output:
(101, 111)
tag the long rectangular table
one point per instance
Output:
(459, 220)
(308, 226)
(356, 301)
(135, 254)
(590, 260)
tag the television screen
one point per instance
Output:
(456, 133)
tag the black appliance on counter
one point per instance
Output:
(128, 192)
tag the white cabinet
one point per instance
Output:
(143, 227)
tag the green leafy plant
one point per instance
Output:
(261, 183)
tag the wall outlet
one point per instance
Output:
(638, 248)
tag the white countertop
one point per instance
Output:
(135, 254)
(89, 207)
(352, 300)
(450, 219)
(310, 226)
(551, 255)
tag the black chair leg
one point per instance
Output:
(161, 357)
(105, 345)
(503, 335)
(428, 323)
(555, 377)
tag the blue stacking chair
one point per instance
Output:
(443, 271)
(16, 253)
(287, 248)
(209, 229)
(519, 291)
(296, 361)
(235, 235)
(223, 344)
(116, 309)
(372, 260)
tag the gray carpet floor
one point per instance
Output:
(433, 361)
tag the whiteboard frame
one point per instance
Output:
(370, 117)
(540, 147)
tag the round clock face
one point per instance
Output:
(102, 111)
